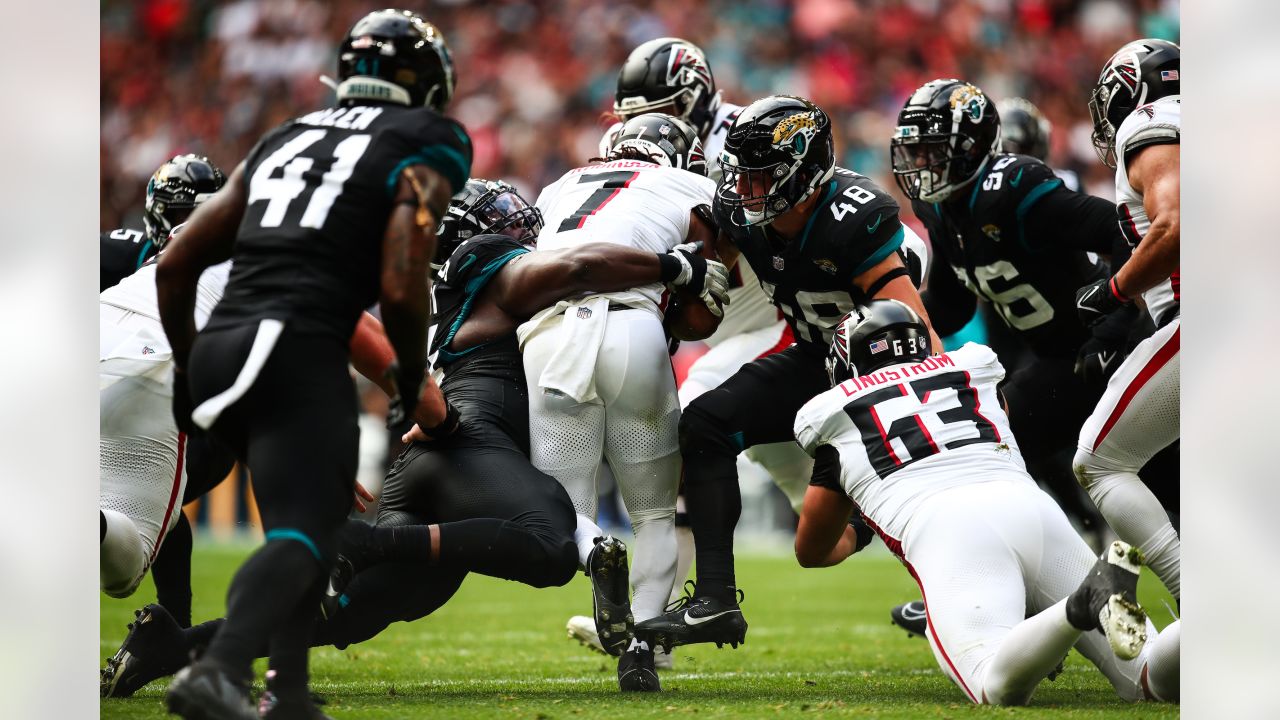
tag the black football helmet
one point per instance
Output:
(396, 56)
(880, 333)
(945, 133)
(668, 75)
(665, 139)
(1024, 130)
(1139, 73)
(777, 153)
(486, 207)
(175, 189)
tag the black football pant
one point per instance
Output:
(757, 405)
(293, 424)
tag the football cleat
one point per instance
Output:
(583, 629)
(910, 617)
(153, 649)
(273, 707)
(339, 578)
(204, 691)
(636, 671)
(1107, 601)
(610, 590)
(691, 620)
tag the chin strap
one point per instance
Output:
(362, 87)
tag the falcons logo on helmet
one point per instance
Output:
(686, 66)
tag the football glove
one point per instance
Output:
(1098, 300)
(707, 279)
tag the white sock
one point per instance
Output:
(653, 562)
(1031, 650)
(1137, 517)
(684, 561)
(585, 535)
(1160, 671)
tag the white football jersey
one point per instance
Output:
(137, 292)
(1160, 121)
(909, 431)
(625, 202)
(712, 144)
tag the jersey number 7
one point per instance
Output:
(614, 181)
(959, 422)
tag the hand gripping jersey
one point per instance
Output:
(982, 235)
(908, 431)
(309, 249)
(120, 253)
(625, 202)
(854, 226)
(1156, 123)
(712, 144)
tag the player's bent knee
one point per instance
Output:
(122, 556)
(701, 433)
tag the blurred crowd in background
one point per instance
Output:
(536, 77)
(535, 84)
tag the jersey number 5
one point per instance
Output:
(911, 431)
(280, 192)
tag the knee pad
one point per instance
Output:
(122, 557)
(701, 433)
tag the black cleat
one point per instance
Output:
(910, 617)
(636, 671)
(273, 707)
(691, 620)
(154, 648)
(610, 590)
(339, 578)
(204, 691)
(1107, 601)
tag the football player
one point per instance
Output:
(820, 238)
(600, 380)
(1137, 117)
(920, 446)
(1024, 130)
(177, 187)
(330, 213)
(469, 502)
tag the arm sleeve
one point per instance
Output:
(1065, 219)
(826, 469)
(950, 305)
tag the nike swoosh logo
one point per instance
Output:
(873, 226)
(1081, 304)
(1105, 359)
(1013, 182)
(691, 620)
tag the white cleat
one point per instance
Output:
(583, 629)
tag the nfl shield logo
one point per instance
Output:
(584, 313)
(778, 263)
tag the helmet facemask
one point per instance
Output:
(922, 166)
(769, 170)
(485, 208)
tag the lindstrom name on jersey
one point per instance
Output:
(911, 430)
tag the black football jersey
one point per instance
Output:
(120, 253)
(320, 190)
(986, 236)
(853, 227)
(462, 279)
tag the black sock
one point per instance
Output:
(290, 643)
(714, 504)
(171, 572)
(197, 637)
(264, 595)
(367, 545)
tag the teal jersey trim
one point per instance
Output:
(889, 246)
(831, 191)
(977, 183)
(142, 256)
(292, 534)
(472, 291)
(441, 158)
(739, 439)
(1032, 198)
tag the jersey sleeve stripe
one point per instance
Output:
(472, 290)
(831, 191)
(444, 160)
(885, 250)
(142, 256)
(977, 184)
(1031, 199)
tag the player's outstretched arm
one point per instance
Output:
(206, 239)
(823, 537)
(1154, 172)
(898, 288)
(950, 304)
(422, 195)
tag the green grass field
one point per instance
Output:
(820, 642)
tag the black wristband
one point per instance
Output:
(450, 422)
(883, 280)
(669, 268)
